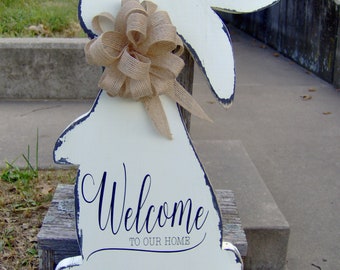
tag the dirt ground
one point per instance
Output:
(23, 205)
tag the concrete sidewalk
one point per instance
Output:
(289, 122)
(291, 134)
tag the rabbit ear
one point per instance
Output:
(87, 9)
(212, 50)
(208, 40)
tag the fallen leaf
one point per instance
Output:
(276, 54)
(312, 90)
(316, 266)
(39, 29)
(45, 189)
(326, 113)
(211, 102)
(306, 97)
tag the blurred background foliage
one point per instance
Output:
(44, 18)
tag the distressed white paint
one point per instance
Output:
(118, 138)
(146, 173)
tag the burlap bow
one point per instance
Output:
(140, 50)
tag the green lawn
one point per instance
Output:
(29, 18)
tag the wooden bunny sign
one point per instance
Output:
(143, 200)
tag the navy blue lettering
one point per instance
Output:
(145, 216)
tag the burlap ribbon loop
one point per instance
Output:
(140, 51)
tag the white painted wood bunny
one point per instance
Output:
(144, 201)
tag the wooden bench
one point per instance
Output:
(57, 238)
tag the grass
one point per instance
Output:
(13, 174)
(25, 195)
(47, 18)
(23, 205)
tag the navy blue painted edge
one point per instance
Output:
(87, 31)
(77, 211)
(207, 181)
(224, 101)
(59, 142)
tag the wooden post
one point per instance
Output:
(186, 78)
